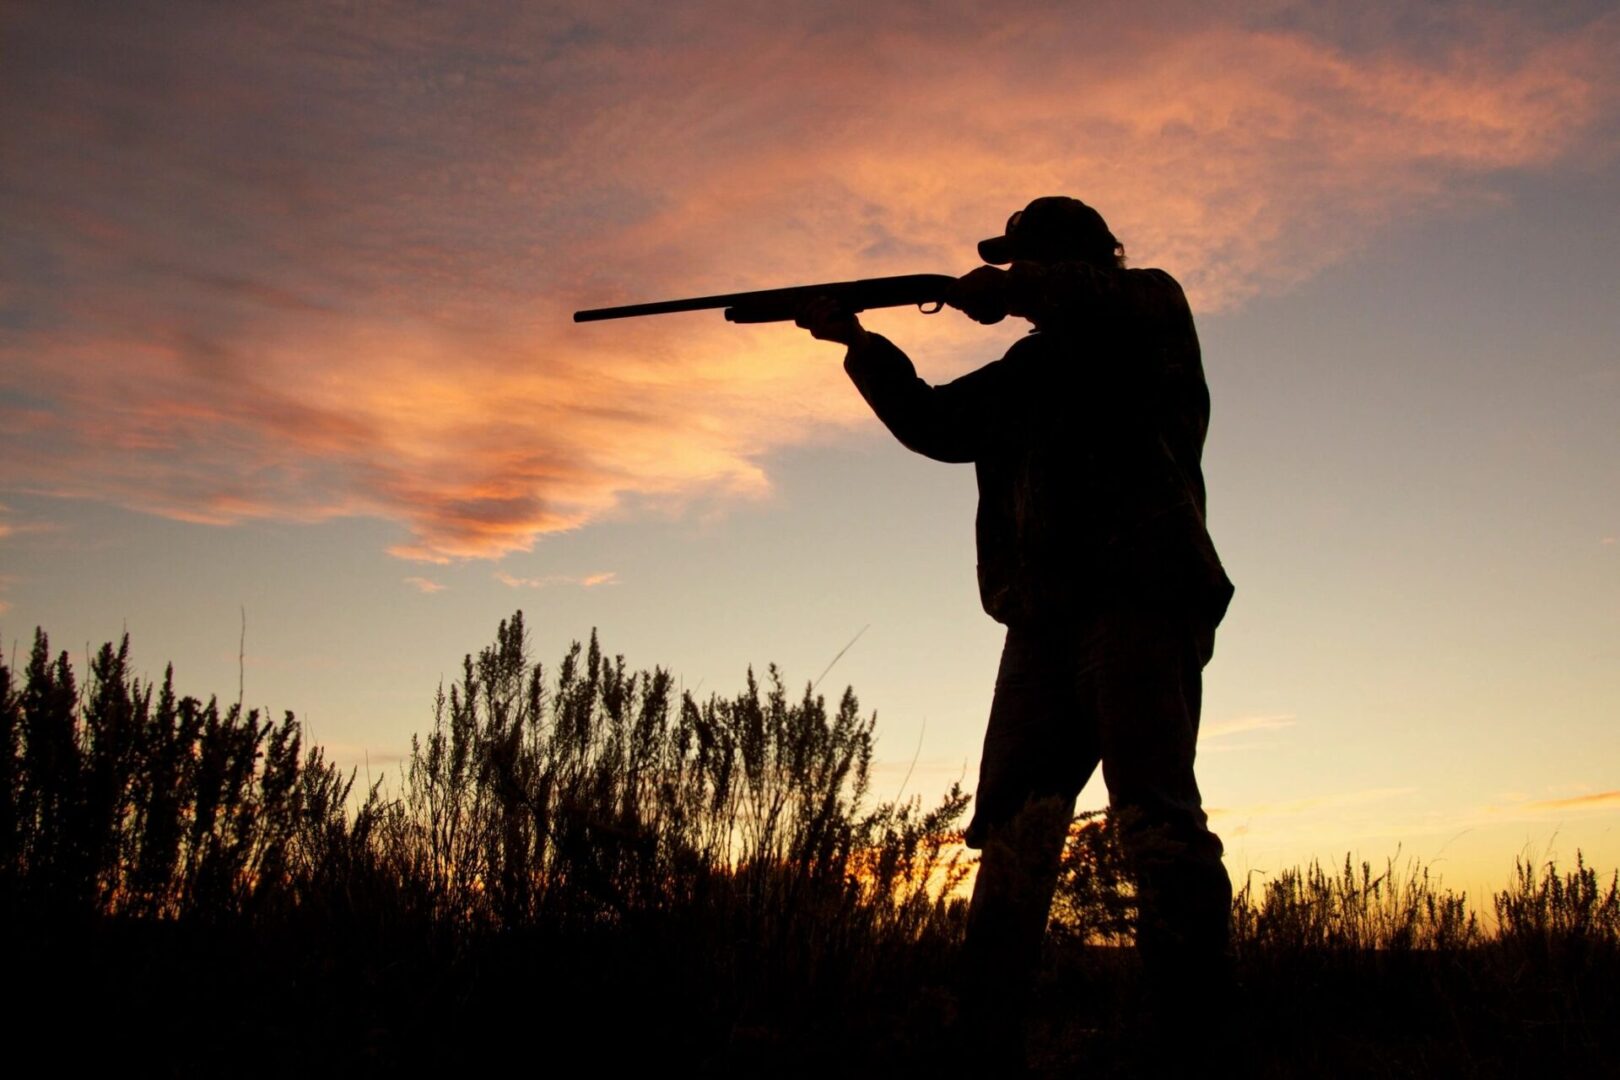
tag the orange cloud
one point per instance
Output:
(250, 278)
(1595, 801)
(425, 585)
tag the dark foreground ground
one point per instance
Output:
(149, 999)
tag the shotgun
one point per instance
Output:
(927, 291)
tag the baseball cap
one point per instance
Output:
(1050, 228)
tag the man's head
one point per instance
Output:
(1055, 228)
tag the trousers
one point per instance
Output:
(1121, 689)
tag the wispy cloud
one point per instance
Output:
(425, 585)
(588, 581)
(1599, 800)
(1244, 724)
(1511, 808)
(9, 529)
(255, 274)
(358, 755)
(1327, 801)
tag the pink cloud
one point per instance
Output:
(257, 278)
(425, 585)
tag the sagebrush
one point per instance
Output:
(588, 850)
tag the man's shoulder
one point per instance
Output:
(1152, 277)
(1153, 294)
(1079, 269)
(1153, 273)
(1081, 290)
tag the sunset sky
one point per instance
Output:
(284, 328)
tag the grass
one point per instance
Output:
(583, 859)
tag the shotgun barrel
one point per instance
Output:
(783, 305)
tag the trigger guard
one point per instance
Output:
(932, 307)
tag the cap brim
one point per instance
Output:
(996, 250)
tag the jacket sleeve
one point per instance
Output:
(952, 422)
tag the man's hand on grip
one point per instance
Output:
(827, 320)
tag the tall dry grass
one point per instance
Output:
(585, 852)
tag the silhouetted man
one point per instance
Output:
(1086, 438)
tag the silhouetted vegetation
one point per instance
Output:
(585, 860)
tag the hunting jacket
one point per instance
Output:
(1087, 440)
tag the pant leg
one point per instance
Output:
(1146, 679)
(1040, 748)
(1042, 739)
(1012, 898)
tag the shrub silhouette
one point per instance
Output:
(590, 799)
(126, 799)
(581, 846)
(599, 797)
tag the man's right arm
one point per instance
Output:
(951, 422)
(947, 423)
